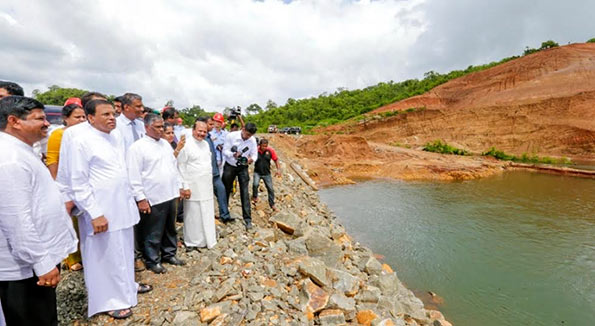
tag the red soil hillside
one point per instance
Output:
(542, 104)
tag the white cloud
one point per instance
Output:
(219, 53)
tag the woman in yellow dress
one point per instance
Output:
(72, 114)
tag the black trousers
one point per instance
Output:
(230, 172)
(157, 232)
(25, 303)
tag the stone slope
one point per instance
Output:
(298, 267)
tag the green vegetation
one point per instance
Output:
(591, 40)
(544, 45)
(438, 146)
(342, 105)
(56, 95)
(525, 158)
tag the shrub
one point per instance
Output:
(438, 146)
(525, 158)
(591, 40)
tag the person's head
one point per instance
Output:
(169, 114)
(263, 144)
(234, 127)
(23, 118)
(218, 120)
(132, 106)
(208, 121)
(168, 132)
(9, 88)
(88, 96)
(118, 105)
(146, 110)
(101, 115)
(248, 130)
(199, 131)
(73, 114)
(153, 125)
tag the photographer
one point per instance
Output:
(239, 151)
(235, 114)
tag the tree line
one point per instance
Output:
(325, 109)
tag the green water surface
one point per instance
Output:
(514, 249)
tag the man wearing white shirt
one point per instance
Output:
(128, 123)
(156, 186)
(194, 164)
(132, 128)
(101, 188)
(35, 230)
(239, 151)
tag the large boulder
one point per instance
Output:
(321, 247)
(344, 282)
(312, 297)
(315, 270)
(287, 222)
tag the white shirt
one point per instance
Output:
(235, 139)
(65, 164)
(194, 164)
(99, 180)
(153, 171)
(35, 231)
(125, 126)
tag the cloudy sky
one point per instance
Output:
(218, 53)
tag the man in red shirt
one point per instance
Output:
(262, 170)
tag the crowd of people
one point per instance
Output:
(106, 196)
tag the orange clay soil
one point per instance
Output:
(541, 104)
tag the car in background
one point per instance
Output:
(53, 114)
(295, 130)
(272, 129)
(284, 130)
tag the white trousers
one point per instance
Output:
(199, 223)
(109, 270)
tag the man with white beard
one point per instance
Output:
(194, 164)
(99, 181)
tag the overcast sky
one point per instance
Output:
(218, 53)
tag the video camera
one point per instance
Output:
(241, 161)
(234, 113)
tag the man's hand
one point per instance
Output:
(144, 207)
(99, 224)
(250, 160)
(278, 173)
(69, 206)
(50, 279)
(185, 194)
(237, 154)
(181, 143)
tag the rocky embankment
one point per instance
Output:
(296, 267)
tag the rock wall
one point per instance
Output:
(297, 266)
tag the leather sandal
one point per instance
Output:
(120, 314)
(144, 288)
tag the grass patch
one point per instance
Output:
(525, 158)
(438, 146)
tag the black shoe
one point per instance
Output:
(228, 220)
(190, 249)
(248, 225)
(157, 269)
(174, 261)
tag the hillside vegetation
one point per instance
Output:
(329, 109)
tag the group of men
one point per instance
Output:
(124, 180)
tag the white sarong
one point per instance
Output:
(199, 223)
(109, 269)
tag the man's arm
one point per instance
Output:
(275, 159)
(134, 163)
(241, 121)
(17, 223)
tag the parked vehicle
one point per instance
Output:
(272, 129)
(53, 114)
(295, 130)
(284, 130)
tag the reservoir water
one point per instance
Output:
(514, 249)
